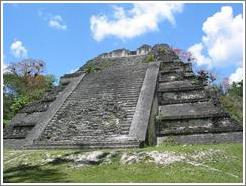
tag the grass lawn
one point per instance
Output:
(225, 166)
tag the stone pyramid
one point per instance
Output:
(122, 99)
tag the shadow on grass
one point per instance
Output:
(33, 174)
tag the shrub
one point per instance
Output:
(232, 100)
(234, 106)
(19, 103)
(206, 77)
(91, 69)
(150, 58)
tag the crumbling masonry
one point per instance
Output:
(124, 100)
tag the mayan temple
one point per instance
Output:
(125, 99)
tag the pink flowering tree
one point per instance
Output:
(185, 56)
(188, 57)
(225, 84)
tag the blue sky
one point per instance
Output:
(65, 36)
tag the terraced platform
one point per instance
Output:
(124, 102)
(187, 112)
(100, 109)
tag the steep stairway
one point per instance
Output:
(124, 102)
(187, 113)
(99, 111)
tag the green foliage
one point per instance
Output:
(19, 102)
(50, 80)
(7, 102)
(150, 58)
(24, 83)
(236, 89)
(234, 106)
(5, 122)
(91, 69)
(162, 50)
(232, 101)
(13, 84)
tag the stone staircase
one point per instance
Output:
(126, 102)
(99, 111)
(28, 118)
(187, 112)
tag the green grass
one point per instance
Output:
(227, 166)
(234, 106)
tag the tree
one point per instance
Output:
(236, 89)
(205, 76)
(232, 100)
(23, 83)
(185, 56)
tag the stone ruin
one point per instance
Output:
(143, 50)
(126, 101)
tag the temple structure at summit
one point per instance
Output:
(125, 99)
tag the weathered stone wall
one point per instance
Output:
(99, 110)
(141, 118)
(204, 138)
(27, 125)
(187, 111)
(113, 102)
(102, 63)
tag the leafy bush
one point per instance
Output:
(162, 50)
(234, 106)
(91, 69)
(150, 58)
(232, 101)
(5, 122)
(206, 77)
(19, 103)
(23, 83)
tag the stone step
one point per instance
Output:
(188, 110)
(119, 83)
(125, 86)
(109, 90)
(175, 78)
(196, 130)
(167, 72)
(176, 73)
(126, 126)
(106, 139)
(85, 100)
(100, 91)
(18, 130)
(197, 125)
(193, 100)
(175, 86)
(189, 96)
(86, 145)
(124, 132)
(171, 64)
(170, 77)
(203, 138)
(15, 136)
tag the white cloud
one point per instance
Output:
(196, 51)
(54, 21)
(18, 49)
(236, 76)
(141, 18)
(222, 43)
(5, 68)
(57, 22)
